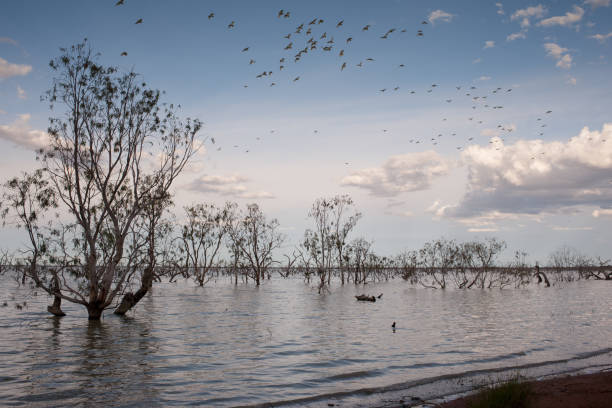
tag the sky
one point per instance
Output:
(496, 121)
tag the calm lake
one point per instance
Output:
(226, 345)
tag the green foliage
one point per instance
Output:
(511, 394)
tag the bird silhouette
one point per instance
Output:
(211, 15)
(119, 3)
(251, 62)
(343, 66)
(245, 49)
(366, 28)
(231, 25)
(124, 54)
(340, 23)
(139, 21)
(281, 13)
(297, 78)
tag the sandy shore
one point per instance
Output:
(580, 391)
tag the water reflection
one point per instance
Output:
(226, 345)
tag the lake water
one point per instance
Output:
(226, 345)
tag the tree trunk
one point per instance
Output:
(94, 311)
(55, 309)
(131, 299)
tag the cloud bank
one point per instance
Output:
(21, 133)
(400, 174)
(231, 186)
(8, 70)
(532, 177)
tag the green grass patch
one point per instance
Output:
(510, 394)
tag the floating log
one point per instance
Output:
(366, 298)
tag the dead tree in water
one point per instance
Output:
(256, 238)
(202, 236)
(327, 241)
(98, 163)
(28, 198)
(539, 274)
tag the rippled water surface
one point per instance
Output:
(226, 345)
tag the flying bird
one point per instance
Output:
(314, 21)
(124, 54)
(341, 53)
(366, 28)
(119, 3)
(296, 79)
(424, 22)
(139, 21)
(343, 66)
(231, 25)
(211, 15)
(245, 49)
(287, 15)
(339, 23)
(251, 62)
(348, 40)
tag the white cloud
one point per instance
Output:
(400, 174)
(532, 177)
(567, 20)
(562, 228)
(603, 212)
(8, 70)
(489, 44)
(7, 40)
(484, 78)
(565, 62)
(564, 59)
(440, 15)
(21, 94)
(483, 229)
(515, 36)
(476, 61)
(571, 80)
(602, 37)
(597, 3)
(232, 186)
(20, 133)
(500, 9)
(524, 15)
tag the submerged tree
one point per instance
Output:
(114, 150)
(202, 236)
(27, 201)
(327, 242)
(255, 238)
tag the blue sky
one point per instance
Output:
(537, 187)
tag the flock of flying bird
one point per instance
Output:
(304, 42)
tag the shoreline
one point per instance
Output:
(591, 390)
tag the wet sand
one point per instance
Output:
(580, 391)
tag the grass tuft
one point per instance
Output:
(511, 394)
